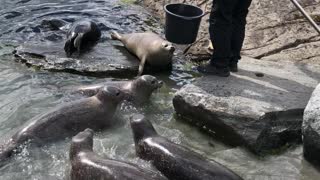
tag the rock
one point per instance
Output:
(311, 128)
(260, 107)
(41, 41)
(104, 59)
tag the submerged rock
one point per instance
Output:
(260, 107)
(311, 128)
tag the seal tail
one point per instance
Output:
(115, 35)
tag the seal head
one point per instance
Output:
(83, 141)
(141, 128)
(148, 83)
(168, 47)
(82, 35)
(110, 94)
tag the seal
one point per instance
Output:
(82, 35)
(148, 47)
(95, 112)
(174, 161)
(137, 91)
(86, 164)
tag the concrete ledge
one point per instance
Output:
(260, 107)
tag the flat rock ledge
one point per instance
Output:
(103, 60)
(311, 128)
(260, 107)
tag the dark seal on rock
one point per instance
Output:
(95, 112)
(82, 35)
(137, 91)
(148, 47)
(174, 161)
(87, 165)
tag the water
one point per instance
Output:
(26, 92)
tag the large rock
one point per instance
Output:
(105, 59)
(311, 128)
(40, 41)
(260, 107)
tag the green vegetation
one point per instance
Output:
(128, 1)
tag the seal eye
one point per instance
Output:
(153, 82)
(118, 93)
(166, 45)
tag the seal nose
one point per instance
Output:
(82, 136)
(172, 49)
(88, 130)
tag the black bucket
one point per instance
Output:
(182, 23)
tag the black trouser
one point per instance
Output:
(227, 30)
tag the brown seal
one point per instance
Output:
(137, 91)
(87, 165)
(174, 161)
(95, 112)
(148, 47)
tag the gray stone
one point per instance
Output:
(41, 41)
(261, 113)
(311, 128)
(104, 59)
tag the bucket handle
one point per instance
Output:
(183, 17)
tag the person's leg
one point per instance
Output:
(238, 32)
(220, 30)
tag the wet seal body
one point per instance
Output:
(87, 165)
(174, 161)
(95, 112)
(148, 47)
(82, 35)
(137, 91)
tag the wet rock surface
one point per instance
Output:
(104, 59)
(311, 128)
(40, 37)
(260, 107)
(275, 30)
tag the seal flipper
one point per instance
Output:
(141, 65)
(78, 41)
(115, 35)
(69, 46)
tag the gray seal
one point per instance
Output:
(87, 165)
(148, 47)
(137, 91)
(82, 35)
(174, 161)
(95, 112)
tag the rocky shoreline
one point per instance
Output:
(276, 30)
